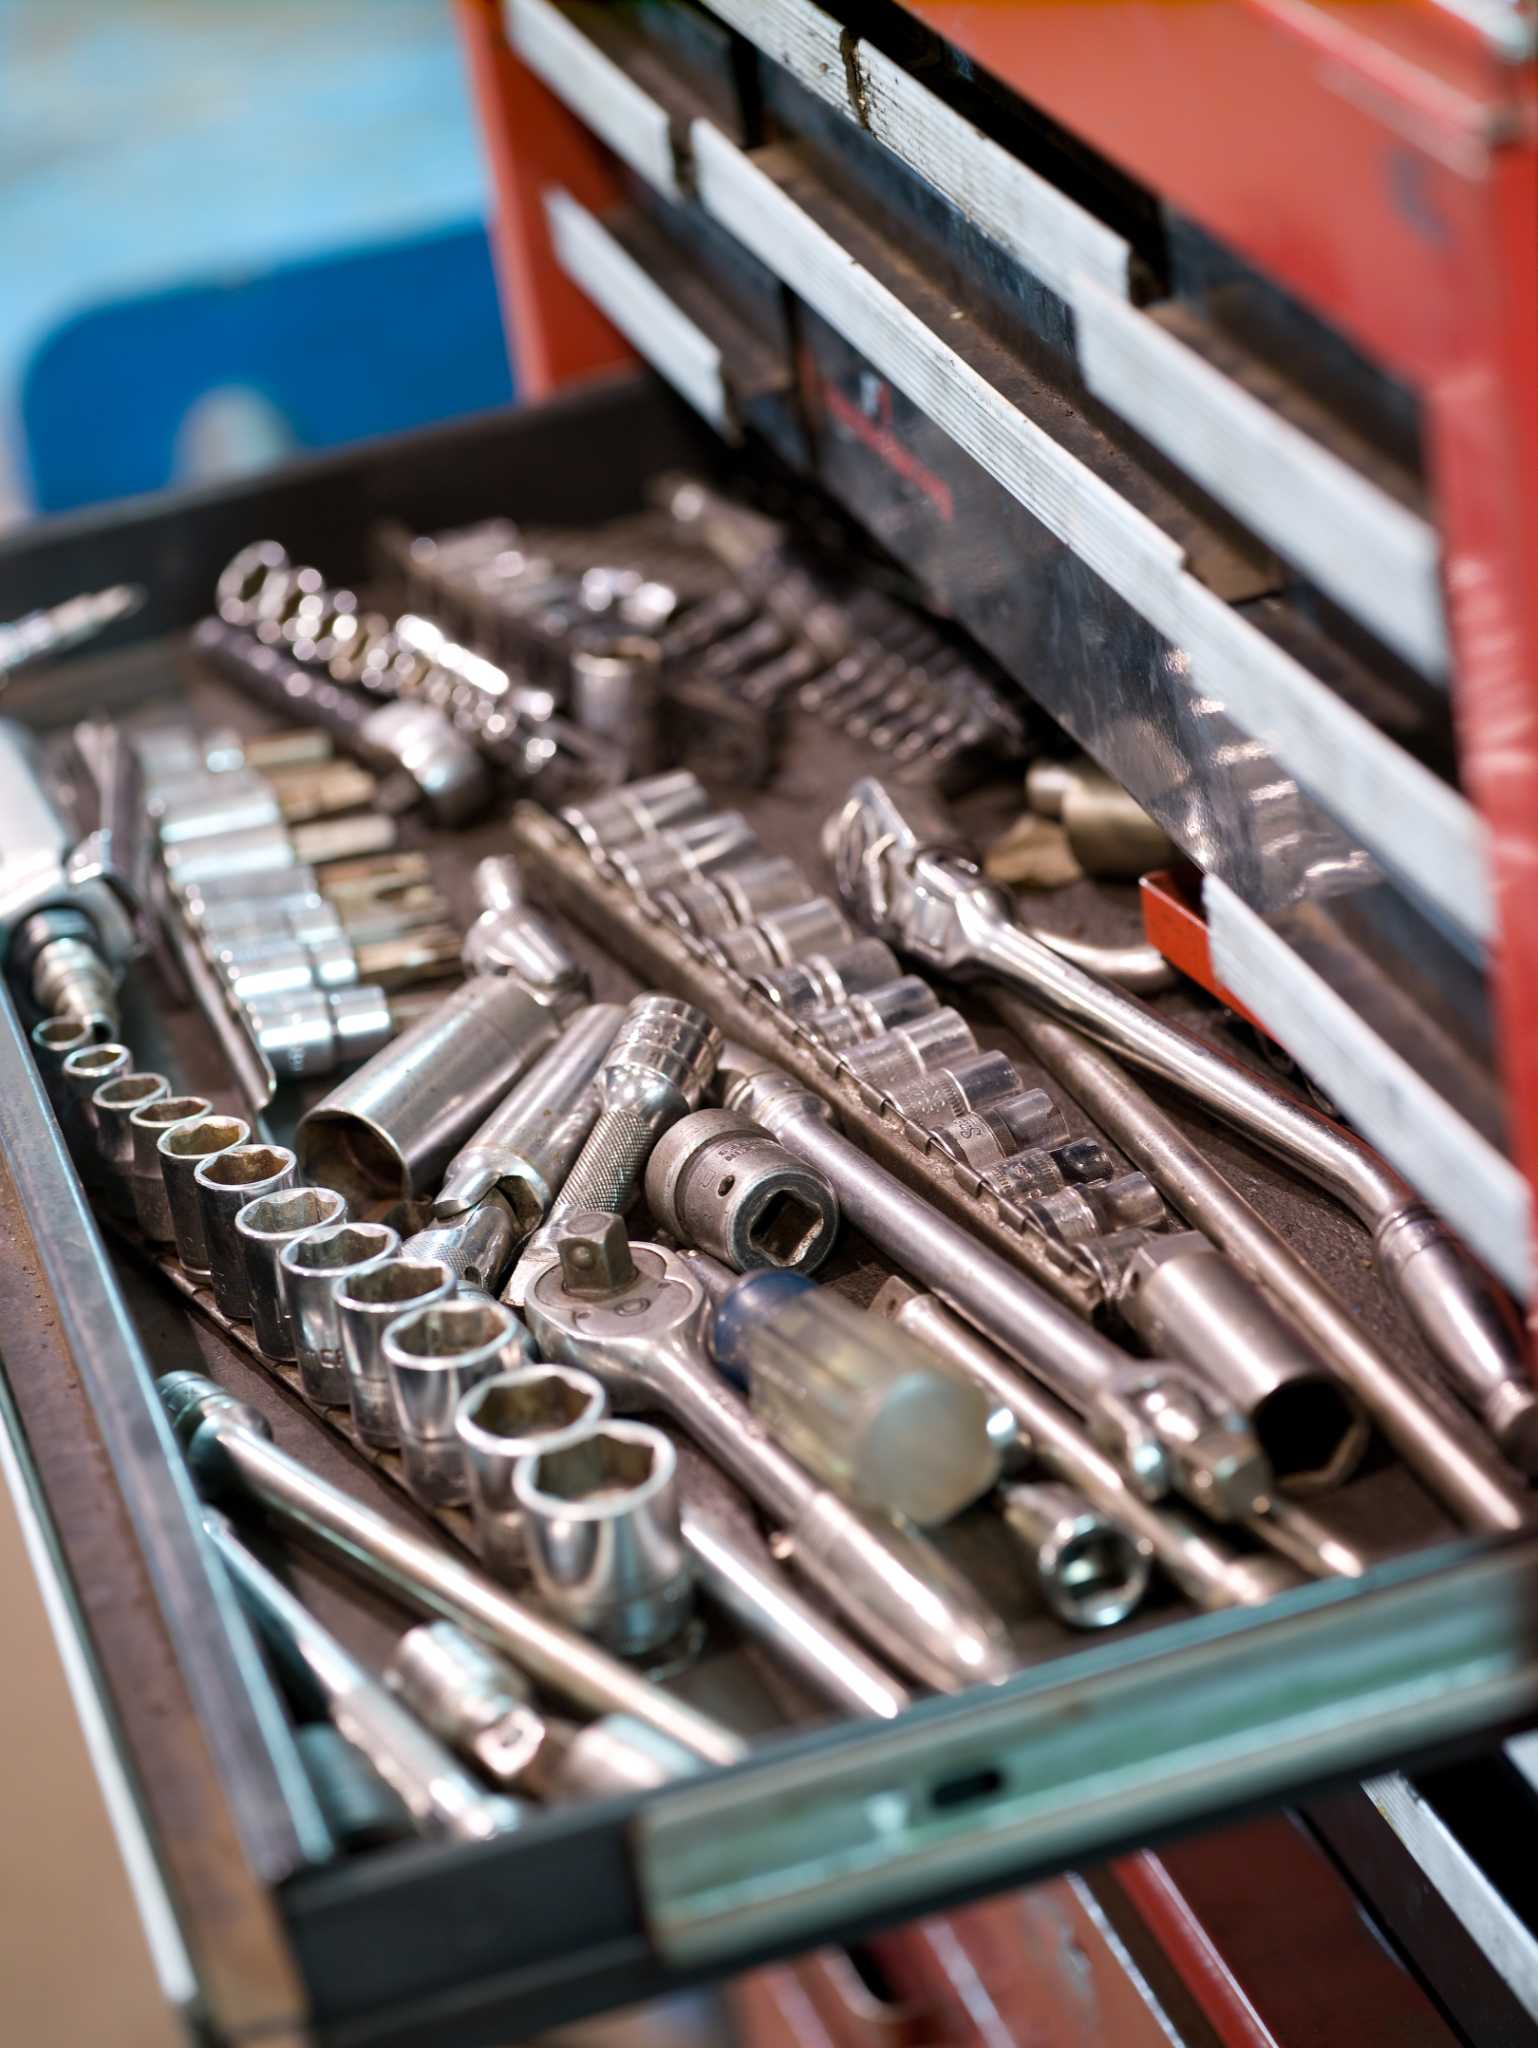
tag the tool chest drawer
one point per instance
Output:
(830, 1825)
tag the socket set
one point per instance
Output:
(743, 1314)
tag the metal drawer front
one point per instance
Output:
(1374, 556)
(1423, 830)
(642, 311)
(629, 120)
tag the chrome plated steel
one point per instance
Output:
(367, 1303)
(263, 1227)
(181, 1149)
(225, 1183)
(1087, 1569)
(147, 1124)
(719, 1182)
(433, 1356)
(310, 1269)
(501, 1422)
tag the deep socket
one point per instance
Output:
(434, 1356)
(225, 1183)
(310, 1269)
(605, 1550)
(181, 1150)
(507, 1418)
(367, 1302)
(263, 1227)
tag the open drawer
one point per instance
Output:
(823, 1832)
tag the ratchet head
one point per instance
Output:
(623, 1312)
(902, 876)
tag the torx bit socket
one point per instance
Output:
(263, 1227)
(147, 1125)
(310, 1269)
(506, 1419)
(605, 1550)
(225, 1183)
(367, 1302)
(181, 1150)
(433, 1357)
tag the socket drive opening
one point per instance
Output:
(170, 1109)
(1312, 1432)
(343, 1244)
(105, 1060)
(784, 1230)
(346, 1151)
(451, 1329)
(597, 1473)
(1099, 1576)
(518, 1407)
(245, 1165)
(62, 1034)
(130, 1089)
(292, 1209)
(196, 1141)
(397, 1281)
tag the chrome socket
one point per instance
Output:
(81, 1074)
(871, 1016)
(979, 1081)
(1025, 1176)
(820, 981)
(181, 1150)
(112, 1108)
(284, 970)
(310, 1269)
(367, 1303)
(316, 1030)
(616, 693)
(908, 1050)
(527, 1145)
(604, 1544)
(387, 1132)
(719, 1182)
(434, 1356)
(147, 1125)
(508, 1418)
(263, 1227)
(638, 811)
(1088, 1571)
(225, 1183)
(470, 1698)
(683, 853)
(982, 1138)
(736, 897)
(782, 937)
(53, 1040)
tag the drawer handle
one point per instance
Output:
(599, 91)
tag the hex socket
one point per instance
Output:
(181, 1150)
(782, 937)
(434, 1356)
(387, 1132)
(604, 1544)
(147, 1125)
(112, 1107)
(83, 1072)
(871, 1016)
(263, 1227)
(310, 1269)
(737, 896)
(976, 1082)
(908, 1050)
(819, 981)
(718, 1181)
(1090, 1572)
(225, 1184)
(638, 811)
(506, 1419)
(367, 1303)
(53, 1040)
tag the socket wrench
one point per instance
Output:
(718, 1182)
(602, 1539)
(1167, 1428)
(930, 899)
(636, 1318)
(262, 1229)
(437, 1791)
(231, 1455)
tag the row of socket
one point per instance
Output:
(757, 914)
